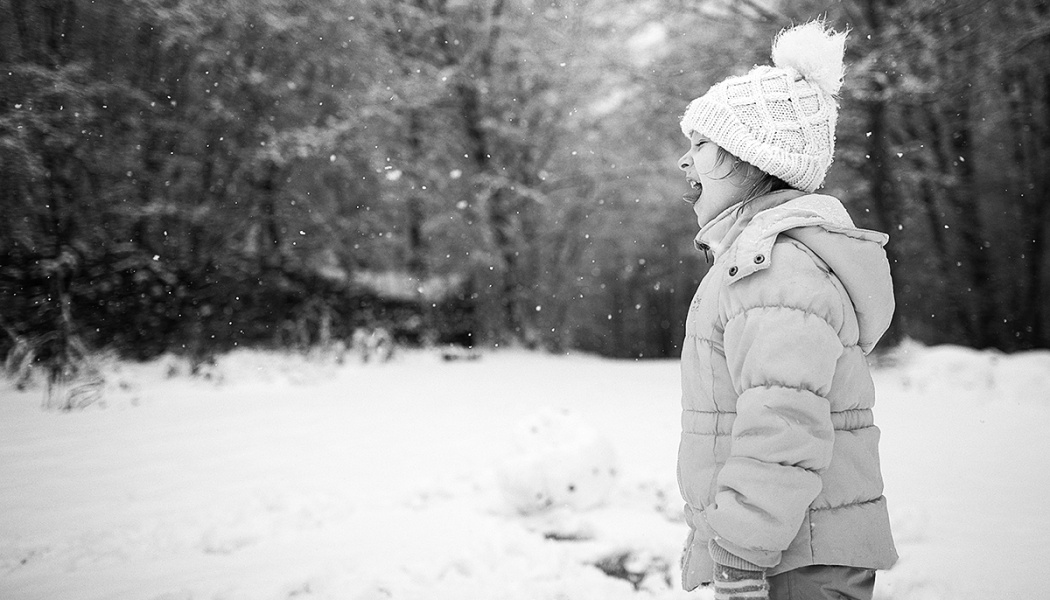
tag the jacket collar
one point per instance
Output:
(720, 232)
(745, 235)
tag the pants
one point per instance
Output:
(822, 582)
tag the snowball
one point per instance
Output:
(557, 459)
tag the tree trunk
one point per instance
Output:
(886, 201)
(272, 253)
(963, 197)
(880, 175)
(416, 212)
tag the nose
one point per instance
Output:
(684, 162)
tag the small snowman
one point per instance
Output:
(557, 460)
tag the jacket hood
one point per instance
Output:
(822, 224)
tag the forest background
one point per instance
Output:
(190, 176)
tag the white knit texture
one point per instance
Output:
(773, 118)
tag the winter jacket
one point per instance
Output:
(778, 461)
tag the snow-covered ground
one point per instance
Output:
(282, 477)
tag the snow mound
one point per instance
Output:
(297, 476)
(557, 459)
(989, 375)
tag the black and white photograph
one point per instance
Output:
(524, 299)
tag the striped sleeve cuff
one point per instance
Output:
(747, 589)
(738, 584)
(722, 556)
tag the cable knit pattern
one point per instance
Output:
(775, 117)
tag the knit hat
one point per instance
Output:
(781, 118)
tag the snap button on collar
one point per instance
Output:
(759, 259)
(732, 271)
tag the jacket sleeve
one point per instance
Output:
(781, 348)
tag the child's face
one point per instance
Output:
(716, 184)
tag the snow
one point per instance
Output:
(557, 459)
(277, 476)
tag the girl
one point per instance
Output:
(778, 462)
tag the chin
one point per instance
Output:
(702, 217)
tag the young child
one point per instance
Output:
(778, 462)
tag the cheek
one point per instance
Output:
(707, 164)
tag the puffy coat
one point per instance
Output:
(778, 461)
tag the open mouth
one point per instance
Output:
(694, 195)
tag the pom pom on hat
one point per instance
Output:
(814, 52)
(779, 118)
